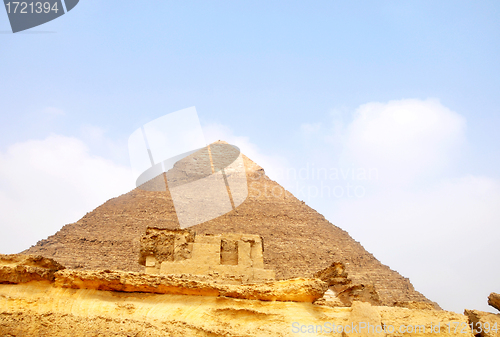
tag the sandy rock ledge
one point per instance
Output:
(296, 290)
(25, 268)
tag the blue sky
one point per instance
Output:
(293, 84)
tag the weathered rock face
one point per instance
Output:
(25, 268)
(298, 241)
(485, 324)
(116, 303)
(359, 292)
(342, 288)
(364, 316)
(41, 309)
(165, 245)
(330, 299)
(494, 300)
(297, 290)
(408, 322)
(335, 276)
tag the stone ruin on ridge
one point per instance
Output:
(234, 258)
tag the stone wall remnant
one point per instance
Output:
(232, 258)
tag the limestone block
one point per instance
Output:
(179, 268)
(225, 270)
(244, 253)
(211, 239)
(206, 253)
(152, 270)
(263, 274)
(196, 268)
(256, 255)
(232, 236)
(248, 238)
(232, 270)
(229, 252)
(150, 261)
(169, 268)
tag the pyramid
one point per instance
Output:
(298, 241)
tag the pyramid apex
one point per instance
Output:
(220, 142)
(252, 168)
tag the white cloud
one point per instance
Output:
(93, 133)
(99, 143)
(404, 139)
(441, 237)
(421, 217)
(47, 183)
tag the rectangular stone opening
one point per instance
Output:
(229, 252)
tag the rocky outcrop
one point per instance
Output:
(494, 300)
(402, 322)
(341, 290)
(44, 310)
(41, 309)
(330, 299)
(334, 275)
(367, 319)
(25, 268)
(359, 292)
(162, 245)
(296, 290)
(485, 324)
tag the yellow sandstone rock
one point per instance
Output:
(297, 290)
(486, 324)
(25, 268)
(494, 300)
(39, 308)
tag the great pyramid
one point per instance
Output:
(298, 241)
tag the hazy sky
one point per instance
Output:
(383, 116)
